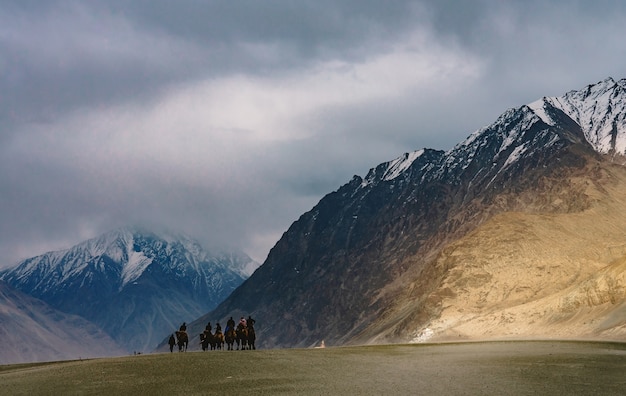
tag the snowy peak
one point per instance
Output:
(399, 165)
(595, 115)
(599, 109)
(509, 132)
(136, 284)
(392, 169)
(135, 266)
(123, 255)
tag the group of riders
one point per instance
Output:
(242, 334)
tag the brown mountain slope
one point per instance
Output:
(529, 274)
(434, 245)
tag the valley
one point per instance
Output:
(492, 368)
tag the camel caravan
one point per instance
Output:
(241, 334)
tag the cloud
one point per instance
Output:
(227, 120)
(219, 149)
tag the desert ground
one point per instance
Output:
(472, 368)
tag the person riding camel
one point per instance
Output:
(208, 327)
(218, 328)
(230, 324)
(242, 322)
(251, 321)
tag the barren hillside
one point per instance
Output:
(518, 231)
(533, 274)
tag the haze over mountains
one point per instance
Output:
(518, 231)
(31, 331)
(137, 285)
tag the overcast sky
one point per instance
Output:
(227, 120)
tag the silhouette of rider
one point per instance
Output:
(208, 327)
(183, 327)
(218, 328)
(230, 324)
(251, 321)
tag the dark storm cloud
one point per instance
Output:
(63, 54)
(228, 119)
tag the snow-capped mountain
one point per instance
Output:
(363, 264)
(137, 285)
(598, 109)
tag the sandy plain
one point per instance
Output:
(471, 368)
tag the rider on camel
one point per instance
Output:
(242, 322)
(183, 327)
(208, 327)
(218, 328)
(251, 321)
(230, 324)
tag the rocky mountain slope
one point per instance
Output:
(32, 331)
(499, 236)
(531, 274)
(135, 284)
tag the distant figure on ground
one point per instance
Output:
(172, 342)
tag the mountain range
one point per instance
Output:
(136, 285)
(516, 232)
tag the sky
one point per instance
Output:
(227, 120)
